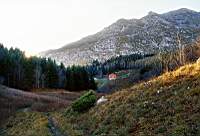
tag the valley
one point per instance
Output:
(136, 77)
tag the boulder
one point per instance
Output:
(101, 100)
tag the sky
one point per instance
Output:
(39, 25)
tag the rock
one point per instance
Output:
(198, 61)
(102, 100)
(159, 91)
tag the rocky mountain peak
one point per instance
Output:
(151, 13)
(149, 34)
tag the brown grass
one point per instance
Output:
(12, 100)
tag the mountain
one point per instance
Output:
(149, 34)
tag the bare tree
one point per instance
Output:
(181, 48)
(37, 75)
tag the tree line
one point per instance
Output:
(18, 71)
(116, 64)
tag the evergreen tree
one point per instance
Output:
(20, 72)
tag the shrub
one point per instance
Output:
(85, 102)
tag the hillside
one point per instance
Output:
(149, 34)
(166, 105)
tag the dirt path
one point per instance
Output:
(53, 127)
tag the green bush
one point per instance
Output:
(85, 102)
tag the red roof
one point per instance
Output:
(112, 76)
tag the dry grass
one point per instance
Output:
(166, 105)
(12, 100)
(9, 106)
(27, 124)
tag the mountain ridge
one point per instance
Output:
(148, 34)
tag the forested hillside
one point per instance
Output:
(20, 72)
(116, 64)
(152, 63)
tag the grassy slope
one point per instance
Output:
(167, 105)
(27, 124)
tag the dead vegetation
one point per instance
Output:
(12, 100)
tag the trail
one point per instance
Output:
(53, 127)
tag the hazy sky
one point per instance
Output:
(38, 25)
